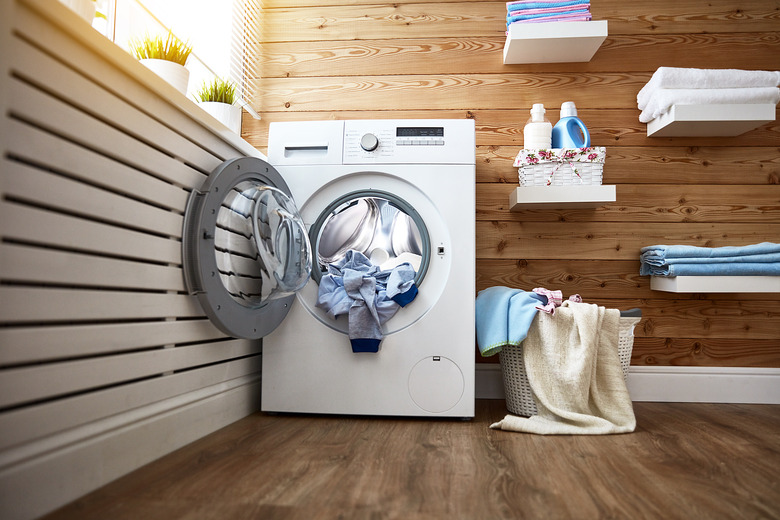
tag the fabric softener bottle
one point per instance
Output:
(570, 131)
(537, 132)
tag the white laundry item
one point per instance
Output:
(663, 99)
(674, 77)
(573, 368)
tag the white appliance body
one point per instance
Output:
(425, 364)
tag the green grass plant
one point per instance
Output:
(169, 48)
(219, 90)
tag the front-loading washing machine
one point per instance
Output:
(261, 236)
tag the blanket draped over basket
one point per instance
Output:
(571, 359)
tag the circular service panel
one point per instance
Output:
(246, 250)
(436, 384)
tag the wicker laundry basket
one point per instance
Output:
(520, 398)
(560, 166)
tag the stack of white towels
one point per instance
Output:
(680, 86)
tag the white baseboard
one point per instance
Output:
(673, 384)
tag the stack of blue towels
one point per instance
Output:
(535, 11)
(754, 260)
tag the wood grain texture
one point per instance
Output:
(647, 203)
(606, 240)
(356, 59)
(446, 20)
(463, 91)
(703, 351)
(683, 461)
(483, 55)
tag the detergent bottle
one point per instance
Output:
(570, 131)
(537, 132)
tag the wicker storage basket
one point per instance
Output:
(520, 398)
(560, 166)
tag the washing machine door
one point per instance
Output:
(245, 249)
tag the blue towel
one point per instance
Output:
(722, 269)
(514, 6)
(681, 260)
(653, 254)
(516, 18)
(503, 317)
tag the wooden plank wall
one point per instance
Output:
(362, 59)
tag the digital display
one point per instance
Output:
(426, 131)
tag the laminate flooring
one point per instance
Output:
(692, 461)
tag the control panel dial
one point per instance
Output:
(369, 142)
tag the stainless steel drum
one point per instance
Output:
(380, 225)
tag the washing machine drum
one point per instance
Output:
(245, 248)
(381, 225)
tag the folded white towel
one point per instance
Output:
(663, 99)
(673, 77)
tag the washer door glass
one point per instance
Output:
(245, 248)
(382, 226)
(260, 245)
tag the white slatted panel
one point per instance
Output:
(105, 361)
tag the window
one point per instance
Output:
(222, 35)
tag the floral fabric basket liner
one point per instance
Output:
(548, 162)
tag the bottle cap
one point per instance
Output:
(537, 112)
(568, 109)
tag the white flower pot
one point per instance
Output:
(174, 73)
(228, 115)
(84, 8)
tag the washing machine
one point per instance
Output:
(261, 237)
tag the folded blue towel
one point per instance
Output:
(514, 6)
(724, 269)
(516, 18)
(503, 317)
(656, 255)
(754, 260)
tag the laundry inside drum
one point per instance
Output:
(374, 226)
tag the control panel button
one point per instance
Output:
(369, 142)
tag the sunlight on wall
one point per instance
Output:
(205, 24)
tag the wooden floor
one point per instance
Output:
(684, 461)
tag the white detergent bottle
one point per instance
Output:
(537, 132)
(570, 131)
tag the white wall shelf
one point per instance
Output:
(716, 284)
(576, 196)
(710, 120)
(554, 42)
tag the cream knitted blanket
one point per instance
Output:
(571, 360)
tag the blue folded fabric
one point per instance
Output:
(516, 18)
(368, 296)
(754, 260)
(514, 6)
(503, 317)
(656, 255)
(724, 269)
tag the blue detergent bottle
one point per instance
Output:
(570, 131)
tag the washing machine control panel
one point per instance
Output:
(409, 141)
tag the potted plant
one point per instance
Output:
(218, 98)
(167, 57)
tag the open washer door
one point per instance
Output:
(245, 250)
